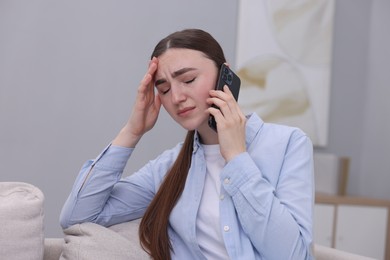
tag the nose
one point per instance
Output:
(177, 94)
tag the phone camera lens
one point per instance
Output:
(229, 78)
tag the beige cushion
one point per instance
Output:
(327, 253)
(53, 248)
(91, 241)
(21, 221)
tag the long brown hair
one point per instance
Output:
(153, 230)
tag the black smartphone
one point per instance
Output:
(226, 77)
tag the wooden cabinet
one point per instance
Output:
(356, 225)
(323, 224)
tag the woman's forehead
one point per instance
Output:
(176, 59)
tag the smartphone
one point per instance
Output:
(226, 77)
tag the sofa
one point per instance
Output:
(22, 233)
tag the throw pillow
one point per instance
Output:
(89, 241)
(21, 218)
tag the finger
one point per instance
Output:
(157, 102)
(223, 99)
(216, 113)
(221, 104)
(223, 94)
(227, 90)
(152, 67)
(147, 80)
(227, 104)
(232, 103)
(222, 123)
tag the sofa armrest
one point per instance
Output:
(327, 253)
(53, 248)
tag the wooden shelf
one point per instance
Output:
(337, 200)
(350, 200)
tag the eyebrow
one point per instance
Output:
(174, 75)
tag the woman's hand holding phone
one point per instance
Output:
(225, 115)
(145, 111)
(231, 122)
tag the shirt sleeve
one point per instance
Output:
(276, 217)
(94, 196)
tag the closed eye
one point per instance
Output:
(163, 92)
(190, 81)
(163, 89)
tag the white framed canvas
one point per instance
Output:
(283, 58)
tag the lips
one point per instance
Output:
(184, 111)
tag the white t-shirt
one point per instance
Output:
(208, 228)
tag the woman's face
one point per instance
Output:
(183, 79)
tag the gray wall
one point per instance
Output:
(69, 72)
(374, 165)
(359, 109)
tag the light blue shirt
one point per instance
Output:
(266, 207)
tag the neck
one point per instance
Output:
(207, 135)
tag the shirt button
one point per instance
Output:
(221, 197)
(227, 181)
(226, 228)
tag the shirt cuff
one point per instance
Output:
(114, 157)
(238, 172)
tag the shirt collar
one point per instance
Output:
(196, 142)
(253, 125)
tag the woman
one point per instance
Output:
(244, 192)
